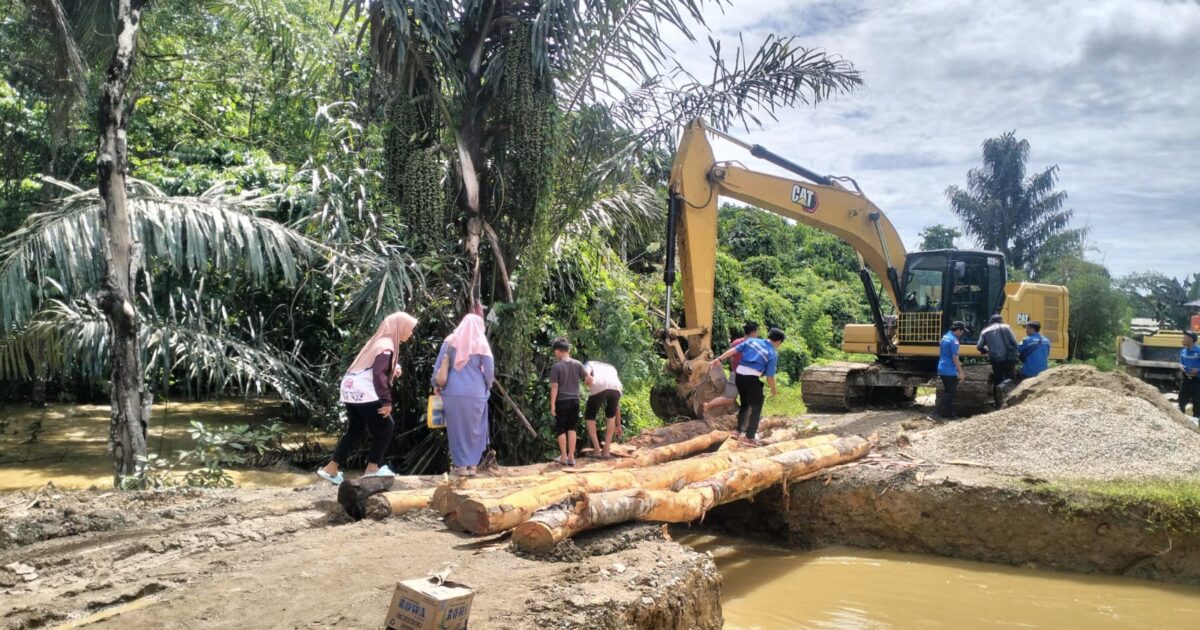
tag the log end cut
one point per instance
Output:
(534, 536)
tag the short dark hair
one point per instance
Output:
(776, 335)
(750, 327)
(958, 326)
(1036, 326)
(996, 319)
(561, 344)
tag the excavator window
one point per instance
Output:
(977, 290)
(923, 282)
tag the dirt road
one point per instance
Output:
(289, 558)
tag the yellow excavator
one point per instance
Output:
(927, 290)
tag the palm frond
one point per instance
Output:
(385, 283)
(215, 229)
(778, 75)
(633, 207)
(194, 340)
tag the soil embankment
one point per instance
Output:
(1010, 487)
(291, 558)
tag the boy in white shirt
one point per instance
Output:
(604, 390)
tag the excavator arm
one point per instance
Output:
(698, 180)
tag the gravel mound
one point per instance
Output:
(1073, 431)
(1088, 376)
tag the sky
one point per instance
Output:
(1107, 91)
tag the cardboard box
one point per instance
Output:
(423, 604)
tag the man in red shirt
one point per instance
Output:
(729, 396)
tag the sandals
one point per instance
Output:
(333, 479)
(383, 471)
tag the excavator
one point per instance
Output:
(925, 291)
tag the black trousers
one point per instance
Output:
(945, 399)
(1001, 371)
(751, 398)
(1189, 391)
(364, 417)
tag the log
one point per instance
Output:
(353, 494)
(447, 496)
(550, 526)
(494, 515)
(385, 504)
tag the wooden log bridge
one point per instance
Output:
(675, 476)
(557, 523)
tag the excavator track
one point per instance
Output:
(975, 393)
(839, 387)
(834, 386)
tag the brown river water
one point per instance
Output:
(771, 587)
(67, 444)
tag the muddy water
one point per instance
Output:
(770, 587)
(67, 444)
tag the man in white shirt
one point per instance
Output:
(605, 391)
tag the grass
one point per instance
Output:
(788, 403)
(1172, 505)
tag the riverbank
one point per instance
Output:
(291, 558)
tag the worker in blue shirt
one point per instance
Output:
(759, 358)
(951, 372)
(1189, 363)
(1034, 351)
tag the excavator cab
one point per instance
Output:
(944, 286)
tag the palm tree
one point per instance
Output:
(1006, 211)
(491, 78)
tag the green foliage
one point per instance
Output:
(1099, 312)
(793, 358)
(1157, 296)
(938, 237)
(204, 465)
(1004, 210)
(764, 268)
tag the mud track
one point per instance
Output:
(289, 558)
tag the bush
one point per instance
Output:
(793, 358)
(765, 268)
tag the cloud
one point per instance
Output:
(1107, 90)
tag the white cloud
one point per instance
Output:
(1107, 90)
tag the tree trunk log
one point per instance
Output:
(353, 494)
(130, 400)
(493, 515)
(550, 526)
(385, 504)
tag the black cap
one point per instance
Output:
(996, 319)
(1036, 326)
(1190, 334)
(958, 326)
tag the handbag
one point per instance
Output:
(443, 373)
(434, 416)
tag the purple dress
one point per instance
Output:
(465, 405)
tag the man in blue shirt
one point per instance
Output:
(951, 372)
(1189, 363)
(1034, 351)
(759, 358)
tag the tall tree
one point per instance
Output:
(938, 237)
(130, 400)
(1004, 210)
